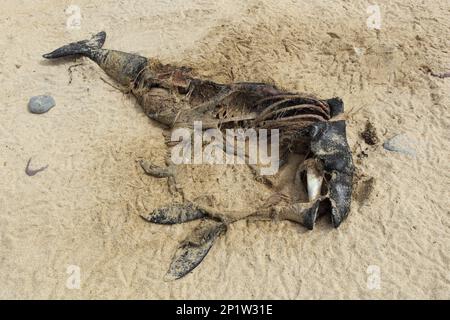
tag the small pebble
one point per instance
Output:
(41, 104)
(400, 143)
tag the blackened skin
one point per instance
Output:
(329, 144)
(336, 106)
(310, 217)
(84, 47)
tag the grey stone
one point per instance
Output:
(400, 143)
(41, 104)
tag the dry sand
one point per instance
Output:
(84, 209)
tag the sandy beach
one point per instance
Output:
(82, 213)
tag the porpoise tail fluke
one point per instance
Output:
(121, 66)
(85, 47)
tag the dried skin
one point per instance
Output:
(173, 96)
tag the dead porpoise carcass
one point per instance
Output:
(174, 96)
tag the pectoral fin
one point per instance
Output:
(194, 249)
(175, 213)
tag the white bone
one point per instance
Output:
(314, 181)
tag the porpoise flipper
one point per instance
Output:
(175, 213)
(194, 248)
